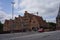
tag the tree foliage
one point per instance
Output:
(52, 25)
(1, 27)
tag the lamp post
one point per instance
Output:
(12, 16)
(12, 9)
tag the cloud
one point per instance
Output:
(3, 16)
(16, 4)
(46, 8)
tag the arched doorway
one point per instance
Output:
(34, 28)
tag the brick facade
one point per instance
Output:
(28, 22)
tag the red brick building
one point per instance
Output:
(27, 22)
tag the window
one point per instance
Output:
(33, 21)
(13, 25)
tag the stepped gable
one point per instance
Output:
(39, 18)
(6, 21)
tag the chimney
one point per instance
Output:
(37, 13)
(19, 16)
(26, 12)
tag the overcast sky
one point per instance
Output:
(48, 9)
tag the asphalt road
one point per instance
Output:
(54, 35)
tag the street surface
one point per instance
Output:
(54, 35)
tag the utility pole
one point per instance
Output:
(12, 16)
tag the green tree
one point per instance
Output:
(52, 25)
(1, 27)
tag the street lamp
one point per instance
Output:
(12, 9)
(12, 16)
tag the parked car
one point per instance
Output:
(41, 30)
